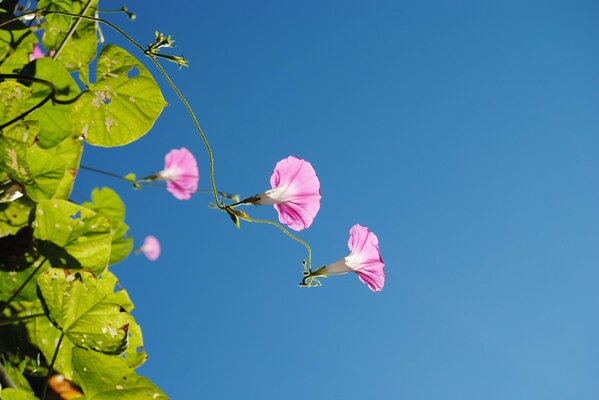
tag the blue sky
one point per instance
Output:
(464, 134)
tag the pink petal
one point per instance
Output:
(37, 53)
(373, 277)
(151, 248)
(295, 192)
(180, 173)
(365, 257)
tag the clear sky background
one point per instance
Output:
(463, 133)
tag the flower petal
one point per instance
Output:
(36, 53)
(151, 248)
(365, 257)
(295, 192)
(180, 173)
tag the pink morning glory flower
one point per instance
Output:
(180, 173)
(37, 53)
(150, 248)
(295, 193)
(364, 259)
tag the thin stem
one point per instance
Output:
(99, 171)
(199, 129)
(71, 30)
(19, 319)
(8, 21)
(285, 231)
(16, 293)
(51, 367)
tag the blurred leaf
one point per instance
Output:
(103, 377)
(84, 312)
(54, 119)
(108, 204)
(76, 232)
(17, 377)
(16, 394)
(121, 106)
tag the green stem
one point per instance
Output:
(51, 367)
(16, 293)
(8, 21)
(71, 30)
(19, 319)
(285, 231)
(99, 171)
(198, 128)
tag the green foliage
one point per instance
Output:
(54, 118)
(108, 204)
(87, 315)
(61, 22)
(16, 43)
(73, 236)
(55, 285)
(104, 378)
(44, 335)
(123, 103)
(13, 102)
(81, 48)
(16, 394)
(12, 280)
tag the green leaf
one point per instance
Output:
(14, 215)
(83, 311)
(45, 336)
(16, 394)
(62, 22)
(13, 102)
(135, 354)
(54, 119)
(69, 151)
(10, 281)
(103, 377)
(120, 107)
(108, 204)
(17, 377)
(80, 50)
(16, 43)
(45, 174)
(74, 236)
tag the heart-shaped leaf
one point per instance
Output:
(121, 106)
(84, 312)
